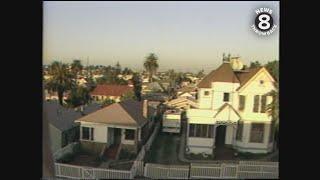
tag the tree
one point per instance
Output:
(118, 69)
(137, 86)
(273, 108)
(128, 96)
(79, 96)
(61, 80)
(273, 69)
(200, 74)
(255, 64)
(151, 65)
(76, 67)
(127, 71)
(108, 101)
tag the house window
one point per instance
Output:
(226, 97)
(261, 82)
(206, 93)
(242, 100)
(129, 134)
(192, 130)
(256, 103)
(198, 130)
(87, 133)
(211, 131)
(239, 131)
(263, 104)
(204, 130)
(201, 130)
(257, 131)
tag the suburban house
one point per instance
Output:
(120, 125)
(171, 121)
(232, 110)
(111, 91)
(151, 87)
(62, 128)
(53, 95)
(182, 103)
(187, 91)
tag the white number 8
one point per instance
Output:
(264, 24)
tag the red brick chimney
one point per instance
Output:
(145, 109)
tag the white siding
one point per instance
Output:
(229, 134)
(100, 132)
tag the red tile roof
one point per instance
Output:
(111, 90)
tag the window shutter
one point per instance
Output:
(263, 104)
(256, 103)
(239, 131)
(92, 133)
(241, 102)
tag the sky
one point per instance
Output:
(186, 36)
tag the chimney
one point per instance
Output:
(145, 108)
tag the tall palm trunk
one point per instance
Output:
(60, 96)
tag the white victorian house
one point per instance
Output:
(232, 111)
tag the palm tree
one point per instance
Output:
(76, 68)
(151, 65)
(61, 80)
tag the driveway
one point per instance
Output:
(165, 149)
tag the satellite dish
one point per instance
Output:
(236, 64)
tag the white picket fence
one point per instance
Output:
(242, 169)
(245, 169)
(257, 169)
(81, 172)
(158, 171)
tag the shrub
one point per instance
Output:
(126, 155)
(66, 158)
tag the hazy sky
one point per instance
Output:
(186, 36)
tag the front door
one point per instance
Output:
(117, 136)
(220, 135)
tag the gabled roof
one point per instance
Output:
(246, 75)
(224, 73)
(63, 118)
(126, 113)
(187, 89)
(60, 117)
(225, 106)
(111, 90)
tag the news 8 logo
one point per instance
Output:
(263, 22)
